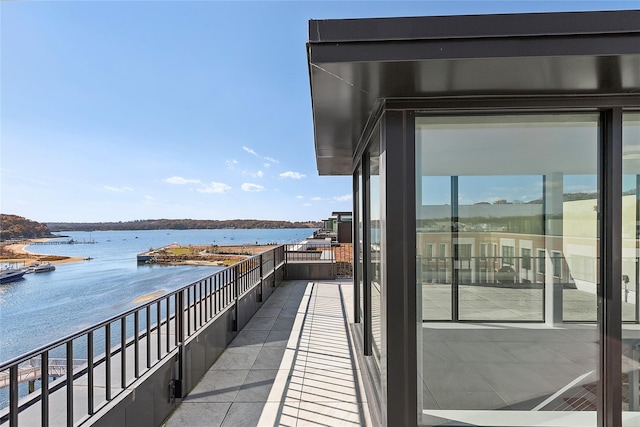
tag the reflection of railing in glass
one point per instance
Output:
(497, 269)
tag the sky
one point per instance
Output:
(120, 111)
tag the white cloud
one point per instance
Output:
(231, 163)
(117, 189)
(249, 150)
(292, 175)
(214, 187)
(258, 174)
(178, 180)
(299, 197)
(307, 204)
(266, 165)
(271, 159)
(316, 198)
(344, 198)
(252, 187)
(148, 197)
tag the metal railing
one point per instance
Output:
(493, 270)
(123, 348)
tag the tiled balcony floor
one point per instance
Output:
(292, 365)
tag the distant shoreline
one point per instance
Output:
(182, 224)
(22, 256)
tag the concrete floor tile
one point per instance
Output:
(249, 337)
(260, 323)
(237, 358)
(269, 358)
(199, 415)
(243, 414)
(330, 414)
(277, 338)
(218, 386)
(257, 385)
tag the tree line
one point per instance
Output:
(180, 224)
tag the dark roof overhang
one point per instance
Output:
(356, 65)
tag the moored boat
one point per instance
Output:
(11, 274)
(40, 268)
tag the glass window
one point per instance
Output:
(630, 269)
(541, 262)
(507, 255)
(358, 242)
(375, 257)
(519, 184)
(526, 259)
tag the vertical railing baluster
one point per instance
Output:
(107, 360)
(13, 396)
(123, 352)
(180, 336)
(188, 311)
(167, 324)
(44, 388)
(178, 312)
(90, 385)
(235, 295)
(69, 383)
(136, 342)
(148, 319)
(200, 300)
(211, 297)
(159, 331)
(216, 295)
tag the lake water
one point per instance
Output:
(42, 308)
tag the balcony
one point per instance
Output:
(248, 347)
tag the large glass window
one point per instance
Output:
(358, 245)
(630, 268)
(374, 264)
(496, 336)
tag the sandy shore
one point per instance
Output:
(16, 254)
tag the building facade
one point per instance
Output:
(496, 176)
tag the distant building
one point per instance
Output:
(338, 227)
(486, 292)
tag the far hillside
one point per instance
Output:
(17, 227)
(180, 224)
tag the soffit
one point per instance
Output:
(355, 64)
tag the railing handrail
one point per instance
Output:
(57, 343)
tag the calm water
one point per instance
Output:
(44, 307)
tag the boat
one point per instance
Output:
(11, 274)
(40, 268)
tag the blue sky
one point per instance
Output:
(117, 111)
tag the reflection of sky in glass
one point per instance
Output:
(436, 190)
(631, 150)
(505, 157)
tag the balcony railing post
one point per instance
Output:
(90, 382)
(44, 388)
(69, 384)
(181, 351)
(13, 396)
(236, 294)
(261, 280)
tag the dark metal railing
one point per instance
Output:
(156, 330)
(304, 252)
(493, 269)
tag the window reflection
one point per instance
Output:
(630, 267)
(512, 201)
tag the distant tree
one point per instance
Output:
(14, 227)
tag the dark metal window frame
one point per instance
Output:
(398, 143)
